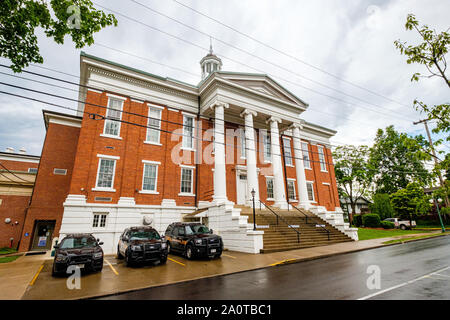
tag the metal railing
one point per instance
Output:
(317, 225)
(280, 218)
(328, 231)
(306, 216)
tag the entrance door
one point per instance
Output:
(43, 232)
(242, 189)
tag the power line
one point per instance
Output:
(288, 55)
(241, 63)
(94, 116)
(1, 164)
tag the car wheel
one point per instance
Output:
(128, 260)
(403, 227)
(218, 255)
(163, 260)
(99, 269)
(189, 252)
(119, 255)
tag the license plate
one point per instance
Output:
(81, 266)
(213, 250)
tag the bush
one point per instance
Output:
(382, 206)
(357, 220)
(387, 225)
(371, 220)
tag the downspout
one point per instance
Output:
(197, 155)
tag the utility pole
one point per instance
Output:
(441, 180)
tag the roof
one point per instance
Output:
(19, 155)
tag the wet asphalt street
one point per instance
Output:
(415, 270)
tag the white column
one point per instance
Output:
(278, 177)
(299, 167)
(220, 179)
(250, 155)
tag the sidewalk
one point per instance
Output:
(15, 277)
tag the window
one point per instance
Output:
(287, 152)
(99, 220)
(310, 188)
(269, 185)
(105, 177)
(150, 177)
(186, 180)
(323, 165)
(188, 132)
(32, 170)
(62, 172)
(154, 121)
(291, 190)
(267, 147)
(114, 111)
(243, 144)
(305, 152)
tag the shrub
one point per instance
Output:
(371, 220)
(357, 220)
(382, 206)
(387, 225)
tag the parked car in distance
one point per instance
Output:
(81, 250)
(142, 244)
(402, 224)
(193, 239)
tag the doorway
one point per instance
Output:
(43, 235)
(241, 188)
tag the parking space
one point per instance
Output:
(117, 277)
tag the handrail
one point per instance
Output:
(328, 231)
(306, 216)
(279, 217)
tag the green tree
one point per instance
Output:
(19, 20)
(399, 160)
(353, 174)
(430, 52)
(410, 202)
(382, 206)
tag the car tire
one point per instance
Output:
(217, 256)
(119, 255)
(128, 261)
(189, 252)
(163, 261)
(403, 227)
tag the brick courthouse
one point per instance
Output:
(166, 148)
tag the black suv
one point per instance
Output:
(81, 250)
(141, 244)
(193, 239)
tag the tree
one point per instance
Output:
(430, 53)
(19, 20)
(353, 174)
(382, 206)
(410, 201)
(399, 160)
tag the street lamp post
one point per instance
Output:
(436, 202)
(254, 215)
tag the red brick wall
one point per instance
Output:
(12, 207)
(18, 165)
(51, 190)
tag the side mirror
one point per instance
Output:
(98, 240)
(100, 243)
(56, 246)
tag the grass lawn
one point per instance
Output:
(8, 259)
(368, 233)
(6, 250)
(418, 237)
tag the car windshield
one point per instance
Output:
(77, 243)
(197, 229)
(144, 235)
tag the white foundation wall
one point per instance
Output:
(236, 233)
(78, 218)
(336, 219)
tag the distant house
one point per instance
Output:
(361, 204)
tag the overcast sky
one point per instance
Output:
(353, 40)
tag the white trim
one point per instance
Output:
(65, 123)
(147, 191)
(99, 220)
(185, 113)
(312, 185)
(151, 162)
(326, 183)
(172, 109)
(192, 168)
(321, 147)
(153, 143)
(94, 90)
(110, 136)
(18, 159)
(137, 101)
(187, 167)
(107, 156)
(116, 96)
(184, 136)
(155, 106)
(183, 194)
(103, 189)
(96, 188)
(106, 115)
(291, 179)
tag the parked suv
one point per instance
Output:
(193, 240)
(141, 244)
(81, 250)
(402, 224)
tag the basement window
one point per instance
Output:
(32, 170)
(61, 172)
(99, 220)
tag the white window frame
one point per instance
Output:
(187, 194)
(110, 98)
(322, 161)
(267, 192)
(105, 157)
(152, 163)
(243, 143)
(185, 136)
(311, 183)
(287, 147)
(267, 142)
(290, 180)
(99, 220)
(158, 129)
(305, 154)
